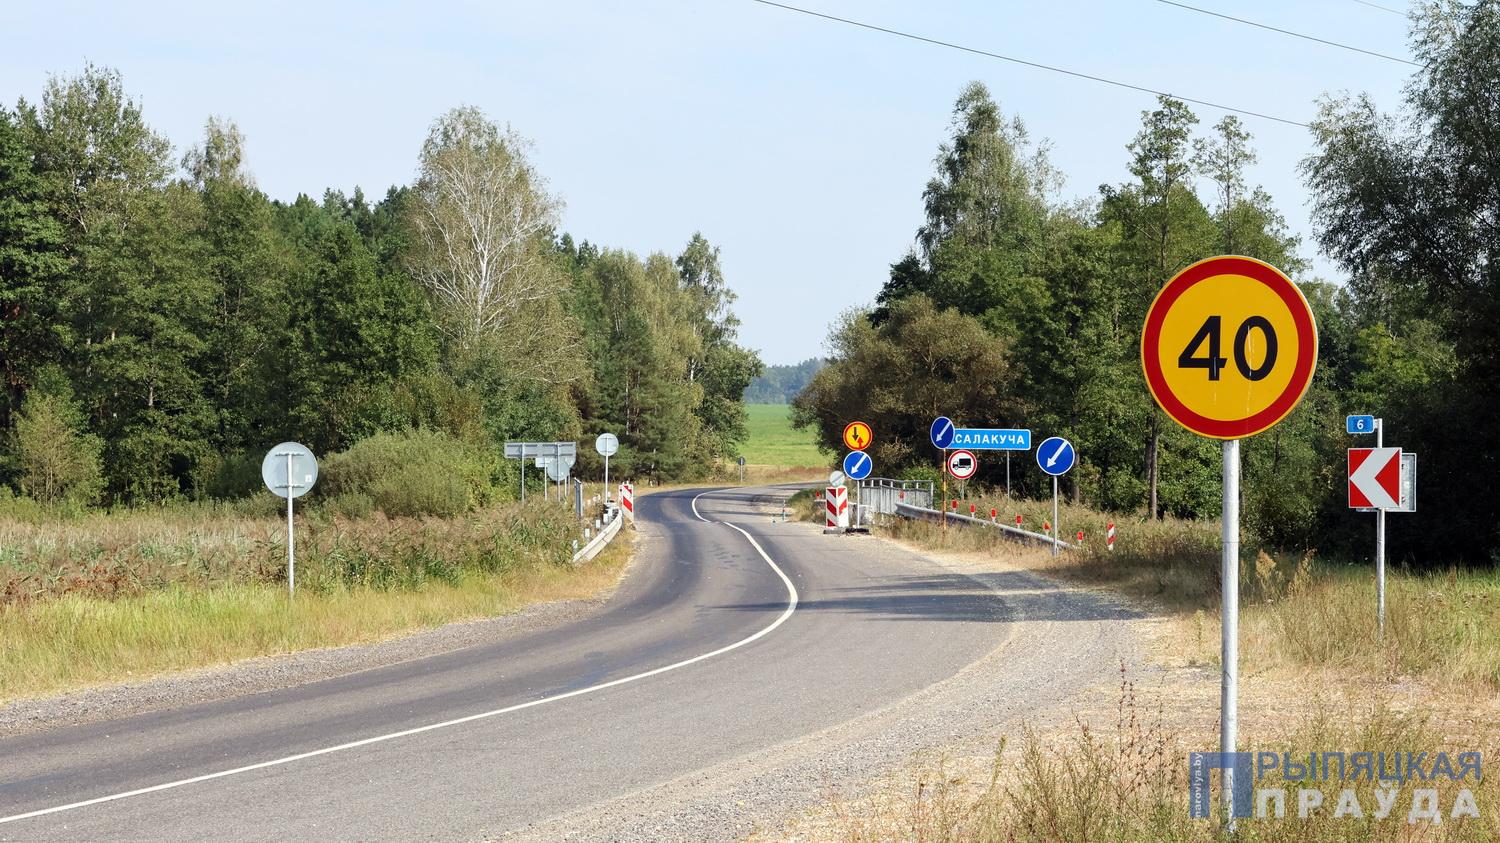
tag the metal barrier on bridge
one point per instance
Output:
(882, 495)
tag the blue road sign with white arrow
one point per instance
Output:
(1360, 424)
(942, 432)
(858, 465)
(1056, 456)
(991, 439)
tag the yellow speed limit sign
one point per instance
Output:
(1229, 347)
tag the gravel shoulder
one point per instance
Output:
(1064, 649)
(252, 676)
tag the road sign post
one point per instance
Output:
(1056, 456)
(607, 445)
(1384, 480)
(1380, 546)
(289, 470)
(1228, 350)
(941, 434)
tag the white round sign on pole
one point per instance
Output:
(289, 471)
(836, 478)
(289, 459)
(607, 444)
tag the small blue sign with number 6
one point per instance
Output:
(1360, 424)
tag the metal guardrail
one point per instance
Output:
(606, 534)
(926, 514)
(882, 495)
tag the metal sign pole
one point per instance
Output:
(1054, 515)
(606, 479)
(1007, 474)
(1380, 545)
(944, 505)
(1230, 577)
(291, 538)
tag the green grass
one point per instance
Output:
(774, 442)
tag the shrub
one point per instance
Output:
(54, 460)
(412, 473)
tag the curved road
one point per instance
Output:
(731, 634)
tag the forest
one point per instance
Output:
(780, 384)
(163, 321)
(1017, 308)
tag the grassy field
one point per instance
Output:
(773, 441)
(1297, 611)
(97, 598)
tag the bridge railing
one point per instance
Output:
(882, 495)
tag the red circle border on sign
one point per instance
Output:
(1307, 346)
(953, 456)
(853, 424)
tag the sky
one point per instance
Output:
(798, 146)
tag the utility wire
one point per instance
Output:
(987, 54)
(1291, 33)
(1381, 8)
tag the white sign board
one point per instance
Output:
(607, 444)
(289, 462)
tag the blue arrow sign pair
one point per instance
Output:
(1056, 456)
(946, 435)
(858, 465)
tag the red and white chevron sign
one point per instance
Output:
(837, 506)
(627, 499)
(1375, 478)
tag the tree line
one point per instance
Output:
(780, 384)
(1015, 308)
(163, 321)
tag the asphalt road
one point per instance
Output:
(731, 634)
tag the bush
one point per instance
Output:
(54, 460)
(412, 473)
(229, 476)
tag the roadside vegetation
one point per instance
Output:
(106, 596)
(1123, 777)
(410, 530)
(1297, 610)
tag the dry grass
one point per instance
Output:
(1315, 676)
(1297, 611)
(1126, 780)
(107, 597)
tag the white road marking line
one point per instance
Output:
(791, 607)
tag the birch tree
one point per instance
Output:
(482, 217)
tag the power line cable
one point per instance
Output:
(1038, 65)
(1291, 33)
(1380, 7)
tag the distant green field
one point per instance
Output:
(774, 442)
